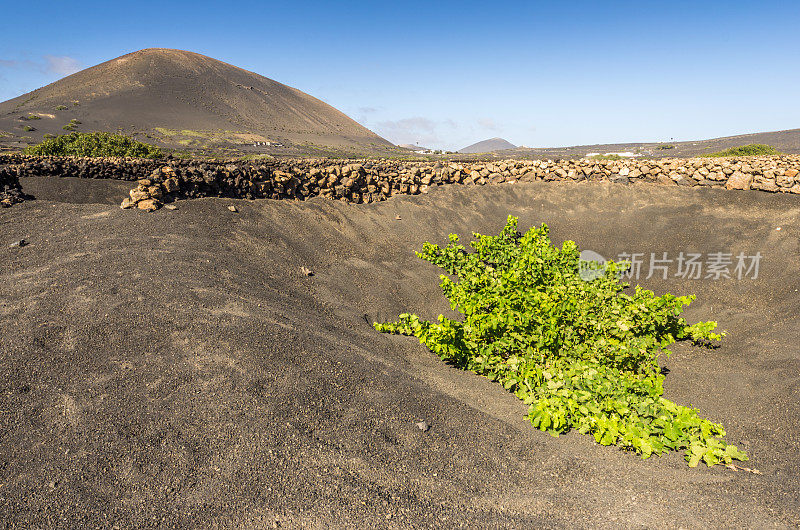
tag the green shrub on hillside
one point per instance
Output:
(581, 353)
(607, 157)
(94, 144)
(746, 150)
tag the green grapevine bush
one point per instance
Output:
(582, 354)
(94, 145)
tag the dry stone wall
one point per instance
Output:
(160, 181)
(10, 190)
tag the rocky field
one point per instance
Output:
(180, 368)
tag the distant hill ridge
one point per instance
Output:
(183, 91)
(487, 146)
(414, 147)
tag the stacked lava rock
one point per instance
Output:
(365, 181)
(10, 189)
(150, 193)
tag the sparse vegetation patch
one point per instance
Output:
(745, 150)
(254, 157)
(94, 145)
(606, 157)
(581, 353)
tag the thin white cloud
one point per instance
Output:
(49, 64)
(410, 131)
(488, 124)
(61, 64)
(415, 124)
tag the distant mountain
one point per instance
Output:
(487, 146)
(786, 141)
(413, 147)
(176, 94)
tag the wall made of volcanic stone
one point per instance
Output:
(10, 189)
(359, 181)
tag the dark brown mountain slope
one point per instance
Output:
(185, 98)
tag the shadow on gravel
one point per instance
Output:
(76, 190)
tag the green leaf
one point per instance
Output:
(693, 459)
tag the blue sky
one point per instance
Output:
(447, 74)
